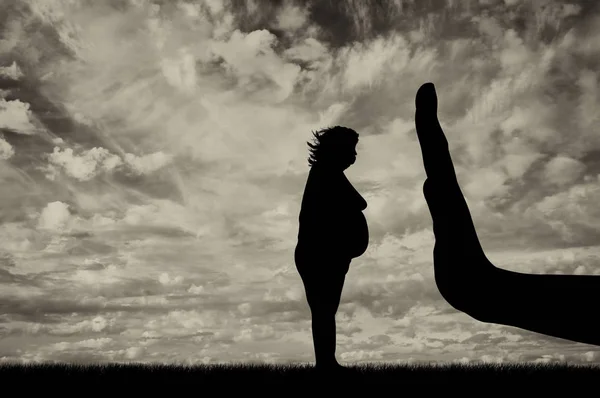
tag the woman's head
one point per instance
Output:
(333, 146)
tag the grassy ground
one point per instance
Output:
(490, 377)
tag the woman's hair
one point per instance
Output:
(328, 140)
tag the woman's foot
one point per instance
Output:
(329, 366)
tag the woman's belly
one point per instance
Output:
(357, 234)
(346, 236)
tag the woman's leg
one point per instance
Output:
(324, 301)
(323, 293)
(556, 305)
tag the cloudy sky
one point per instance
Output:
(153, 157)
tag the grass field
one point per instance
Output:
(144, 377)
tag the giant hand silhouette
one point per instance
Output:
(555, 305)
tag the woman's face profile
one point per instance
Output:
(347, 154)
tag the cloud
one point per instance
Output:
(12, 72)
(250, 56)
(255, 333)
(6, 150)
(55, 216)
(550, 358)
(291, 18)
(589, 356)
(166, 280)
(182, 322)
(489, 26)
(485, 183)
(515, 165)
(393, 250)
(365, 63)
(195, 289)
(491, 359)
(94, 325)
(180, 72)
(82, 167)
(16, 117)
(215, 6)
(362, 355)
(89, 163)
(134, 352)
(572, 212)
(561, 170)
(514, 53)
(82, 344)
(147, 163)
(554, 14)
(310, 50)
(587, 111)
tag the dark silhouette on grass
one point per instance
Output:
(332, 231)
(143, 378)
(555, 305)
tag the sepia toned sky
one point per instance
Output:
(153, 157)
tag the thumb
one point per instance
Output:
(426, 98)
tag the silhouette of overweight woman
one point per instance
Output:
(332, 231)
(561, 306)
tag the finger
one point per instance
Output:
(426, 98)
